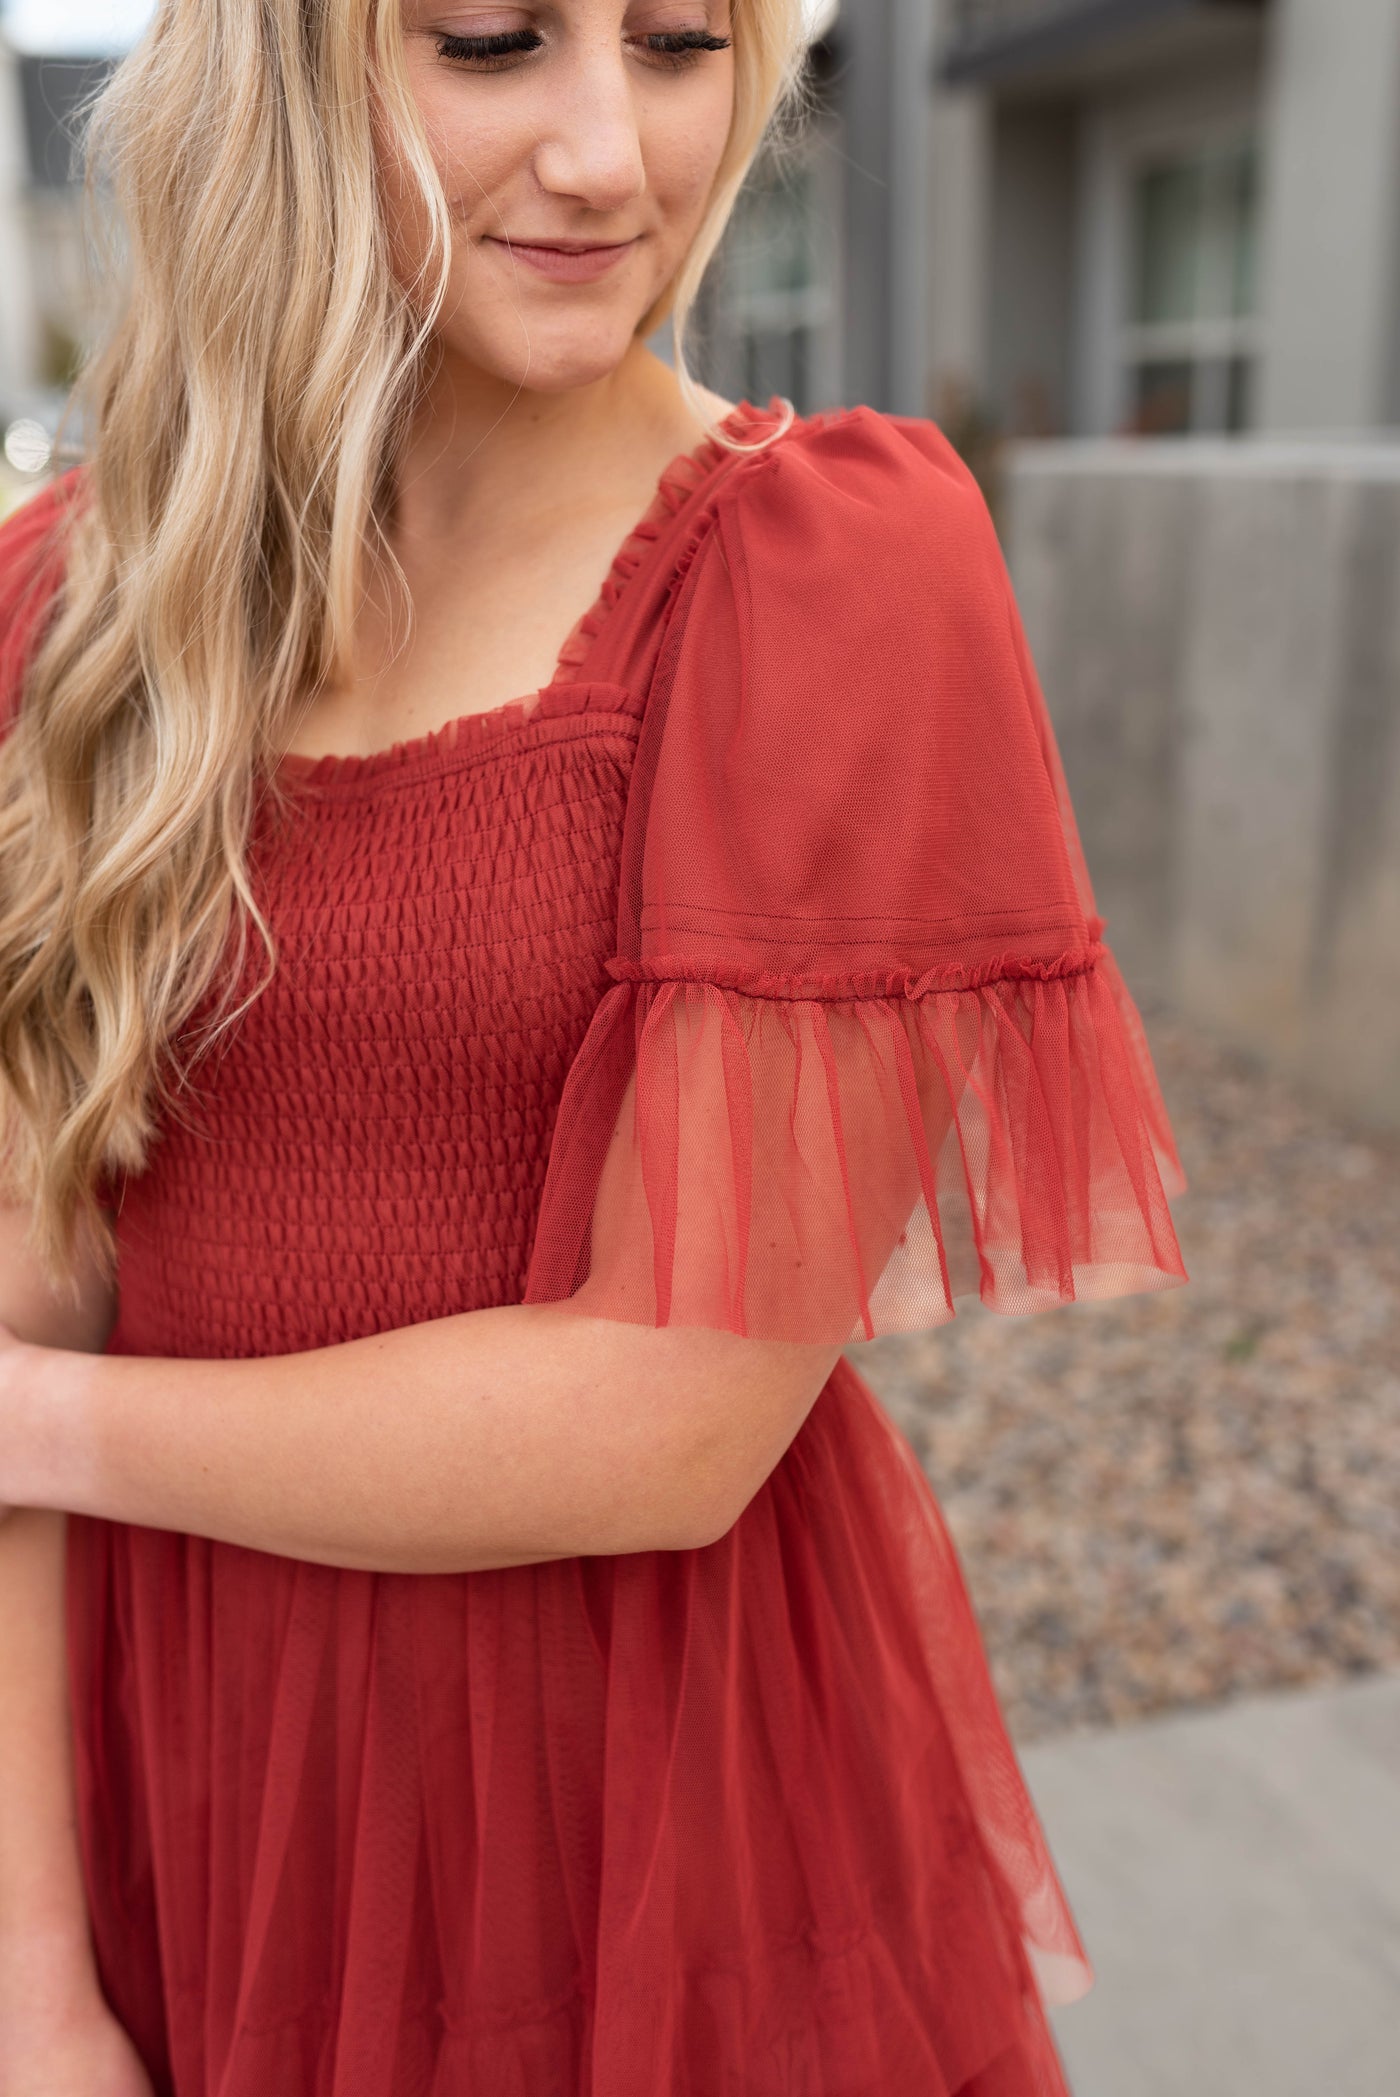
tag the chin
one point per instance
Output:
(559, 363)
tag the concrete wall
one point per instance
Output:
(1217, 628)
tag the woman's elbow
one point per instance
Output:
(693, 1527)
(694, 1422)
(728, 1466)
(696, 1527)
(685, 1506)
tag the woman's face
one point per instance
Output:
(577, 142)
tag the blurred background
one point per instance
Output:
(1141, 260)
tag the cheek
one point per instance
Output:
(472, 150)
(683, 156)
(407, 215)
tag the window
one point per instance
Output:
(1191, 343)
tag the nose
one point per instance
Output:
(591, 145)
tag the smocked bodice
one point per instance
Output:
(367, 1147)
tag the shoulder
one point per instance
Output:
(856, 458)
(847, 766)
(857, 479)
(33, 557)
(856, 555)
(860, 520)
(850, 718)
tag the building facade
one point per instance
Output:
(45, 292)
(1180, 220)
(1166, 216)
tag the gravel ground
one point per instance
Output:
(1164, 1500)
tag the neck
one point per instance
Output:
(478, 444)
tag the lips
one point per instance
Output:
(564, 247)
(567, 261)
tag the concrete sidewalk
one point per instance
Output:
(1236, 1877)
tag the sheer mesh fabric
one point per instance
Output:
(866, 1050)
(746, 976)
(831, 1169)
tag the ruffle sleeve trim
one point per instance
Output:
(820, 1161)
(823, 984)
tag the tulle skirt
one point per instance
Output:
(735, 1822)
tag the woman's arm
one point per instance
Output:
(44, 1943)
(500, 1437)
(45, 1954)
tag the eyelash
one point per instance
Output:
(493, 54)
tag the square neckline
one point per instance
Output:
(679, 481)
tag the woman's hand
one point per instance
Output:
(34, 1386)
(58, 2037)
(85, 2054)
(15, 1367)
(10, 1348)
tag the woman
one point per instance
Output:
(450, 1137)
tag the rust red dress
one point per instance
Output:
(748, 976)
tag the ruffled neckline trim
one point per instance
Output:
(566, 693)
(681, 480)
(457, 742)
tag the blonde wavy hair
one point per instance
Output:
(245, 411)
